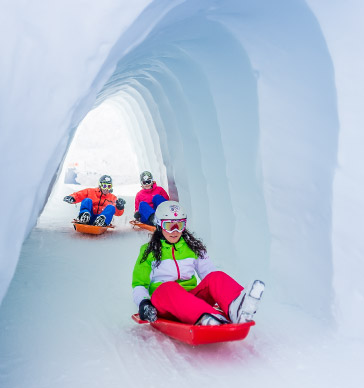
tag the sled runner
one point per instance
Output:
(90, 229)
(139, 225)
(198, 335)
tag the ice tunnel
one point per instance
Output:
(203, 96)
(235, 100)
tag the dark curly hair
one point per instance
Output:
(155, 245)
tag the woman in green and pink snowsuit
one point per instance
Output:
(164, 280)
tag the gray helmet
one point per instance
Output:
(106, 179)
(146, 176)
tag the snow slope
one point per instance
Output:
(65, 322)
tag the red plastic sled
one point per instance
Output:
(139, 225)
(198, 335)
(90, 229)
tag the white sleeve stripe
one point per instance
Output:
(204, 266)
(140, 293)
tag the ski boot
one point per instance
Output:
(243, 308)
(100, 220)
(84, 218)
(211, 320)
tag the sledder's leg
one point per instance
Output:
(86, 208)
(218, 287)
(239, 307)
(243, 308)
(157, 200)
(172, 299)
(146, 211)
(108, 212)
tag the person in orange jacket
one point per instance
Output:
(98, 205)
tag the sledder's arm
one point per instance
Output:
(76, 197)
(79, 196)
(163, 193)
(203, 266)
(119, 213)
(69, 199)
(119, 205)
(137, 201)
(141, 278)
(141, 281)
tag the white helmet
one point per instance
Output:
(169, 210)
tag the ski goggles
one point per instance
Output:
(147, 182)
(106, 185)
(174, 225)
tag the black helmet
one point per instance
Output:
(146, 178)
(106, 180)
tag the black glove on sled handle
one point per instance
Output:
(147, 312)
(69, 199)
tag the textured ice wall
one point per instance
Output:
(244, 103)
(342, 26)
(237, 98)
(54, 57)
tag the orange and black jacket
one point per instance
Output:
(99, 200)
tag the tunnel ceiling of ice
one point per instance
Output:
(237, 100)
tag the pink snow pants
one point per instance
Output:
(172, 301)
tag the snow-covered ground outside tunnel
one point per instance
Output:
(251, 111)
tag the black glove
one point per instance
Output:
(137, 216)
(120, 203)
(147, 312)
(69, 199)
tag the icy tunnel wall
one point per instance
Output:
(225, 127)
(239, 96)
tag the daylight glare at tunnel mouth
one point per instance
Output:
(101, 145)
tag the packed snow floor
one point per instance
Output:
(66, 323)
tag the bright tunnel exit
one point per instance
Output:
(107, 141)
(102, 145)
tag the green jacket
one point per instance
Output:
(179, 263)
